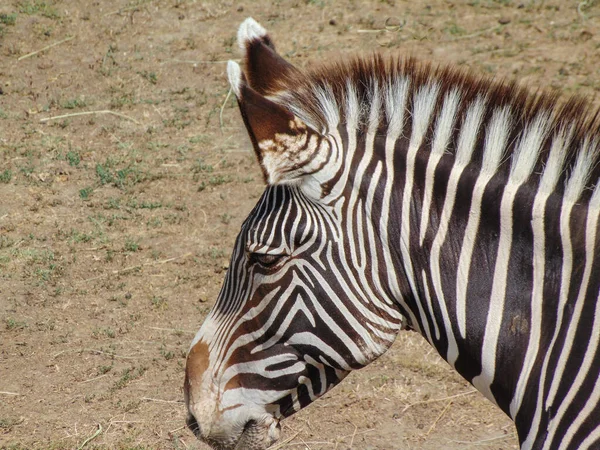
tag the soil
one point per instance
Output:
(117, 220)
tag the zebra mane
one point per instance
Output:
(556, 140)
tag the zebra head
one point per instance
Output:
(306, 298)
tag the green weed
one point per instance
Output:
(73, 158)
(38, 7)
(131, 245)
(149, 76)
(158, 302)
(13, 324)
(127, 376)
(6, 176)
(8, 19)
(84, 193)
(74, 103)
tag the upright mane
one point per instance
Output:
(320, 98)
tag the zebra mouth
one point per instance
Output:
(259, 435)
(256, 435)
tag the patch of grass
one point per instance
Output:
(158, 302)
(104, 173)
(46, 274)
(155, 222)
(79, 236)
(134, 204)
(73, 158)
(167, 354)
(6, 423)
(109, 333)
(34, 255)
(180, 118)
(13, 324)
(8, 19)
(149, 76)
(84, 193)
(455, 30)
(74, 103)
(218, 180)
(121, 178)
(225, 218)
(200, 167)
(131, 245)
(38, 7)
(101, 370)
(216, 253)
(127, 376)
(6, 176)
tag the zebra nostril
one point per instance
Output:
(192, 424)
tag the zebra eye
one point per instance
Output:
(265, 260)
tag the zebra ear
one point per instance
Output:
(285, 146)
(262, 65)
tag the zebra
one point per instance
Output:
(400, 195)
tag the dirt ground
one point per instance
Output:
(117, 219)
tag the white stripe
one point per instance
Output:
(547, 185)
(424, 102)
(466, 144)
(441, 140)
(396, 96)
(495, 145)
(523, 162)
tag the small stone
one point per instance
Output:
(240, 9)
(128, 296)
(332, 22)
(503, 20)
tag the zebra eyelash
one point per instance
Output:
(266, 260)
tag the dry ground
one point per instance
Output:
(116, 228)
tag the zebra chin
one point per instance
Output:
(255, 434)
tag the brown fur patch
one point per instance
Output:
(196, 364)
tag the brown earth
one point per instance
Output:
(116, 227)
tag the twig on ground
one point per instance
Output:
(87, 113)
(284, 442)
(93, 379)
(221, 111)
(158, 400)
(353, 435)
(139, 266)
(94, 436)
(438, 418)
(174, 330)
(28, 55)
(98, 352)
(9, 393)
(188, 61)
(451, 397)
(129, 8)
(483, 441)
(478, 33)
